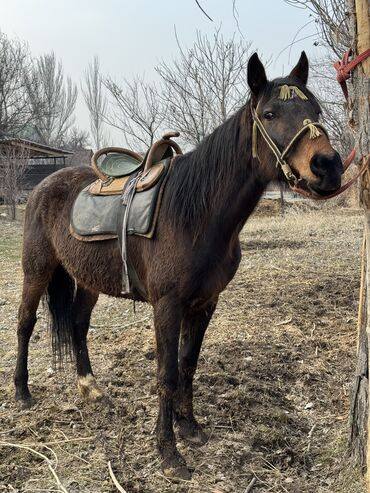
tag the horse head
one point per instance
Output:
(287, 138)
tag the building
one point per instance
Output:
(43, 159)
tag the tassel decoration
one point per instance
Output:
(314, 131)
(288, 92)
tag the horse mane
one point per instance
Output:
(201, 177)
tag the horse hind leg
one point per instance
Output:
(33, 289)
(83, 305)
(193, 329)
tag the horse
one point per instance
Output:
(209, 195)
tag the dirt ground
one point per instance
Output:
(272, 388)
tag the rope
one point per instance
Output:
(312, 127)
(344, 68)
(344, 187)
(288, 92)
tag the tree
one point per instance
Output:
(96, 103)
(52, 99)
(138, 111)
(345, 24)
(76, 139)
(14, 161)
(326, 87)
(332, 18)
(205, 85)
(360, 118)
(15, 66)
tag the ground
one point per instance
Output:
(272, 388)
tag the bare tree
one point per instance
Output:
(345, 24)
(325, 85)
(14, 161)
(137, 111)
(15, 66)
(76, 139)
(53, 100)
(332, 19)
(333, 26)
(96, 103)
(205, 85)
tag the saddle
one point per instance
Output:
(119, 164)
(124, 200)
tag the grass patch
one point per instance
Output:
(10, 241)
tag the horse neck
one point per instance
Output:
(235, 181)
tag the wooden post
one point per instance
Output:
(359, 119)
(282, 203)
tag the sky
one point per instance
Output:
(131, 37)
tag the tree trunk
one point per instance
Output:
(358, 108)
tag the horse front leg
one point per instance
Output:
(167, 321)
(194, 326)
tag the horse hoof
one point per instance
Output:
(90, 390)
(192, 433)
(24, 402)
(178, 472)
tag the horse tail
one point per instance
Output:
(59, 297)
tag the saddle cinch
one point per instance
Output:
(124, 199)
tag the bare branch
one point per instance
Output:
(205, 85)
(332, 21)
(137, 110)
(204, 12)
(96, 103)
(15, 66)
(52, 99)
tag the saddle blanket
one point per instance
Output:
(99, 217)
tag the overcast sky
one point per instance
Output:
(130, 37)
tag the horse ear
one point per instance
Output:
(300, 71)
(256, 74)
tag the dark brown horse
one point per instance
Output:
(209, 195)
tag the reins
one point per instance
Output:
(314, 128)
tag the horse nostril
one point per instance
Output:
(321, 165)
(317, 165)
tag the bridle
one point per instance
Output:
(314, 128)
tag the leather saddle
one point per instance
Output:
(111, 207)
(115, 165)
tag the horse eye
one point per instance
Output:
(268, 115)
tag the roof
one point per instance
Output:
(35, 148)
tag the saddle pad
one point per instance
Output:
(95, 214)
(118, 164)
(99, 217)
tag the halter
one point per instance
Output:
(289, 92)
(286, 92)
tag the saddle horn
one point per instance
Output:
(160, 148)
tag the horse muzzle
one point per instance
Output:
(328, 170)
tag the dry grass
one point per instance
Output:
(272, 387)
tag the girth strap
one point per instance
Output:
(127, 196)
